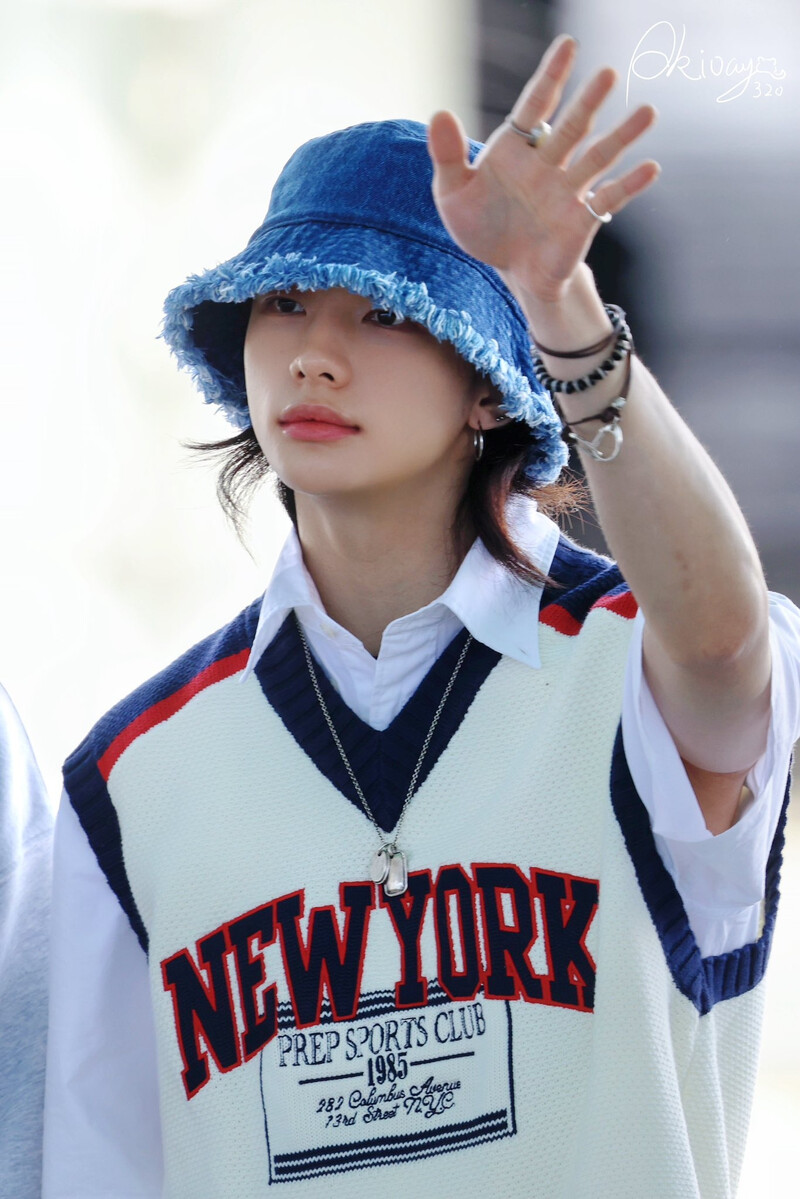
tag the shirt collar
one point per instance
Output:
(497, 609)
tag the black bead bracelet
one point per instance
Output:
(623, 345)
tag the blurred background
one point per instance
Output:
(140, 139)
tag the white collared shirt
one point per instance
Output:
(496, 609)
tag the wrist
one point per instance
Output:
(575, 320)
(601, 380)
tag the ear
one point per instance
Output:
(486, 412)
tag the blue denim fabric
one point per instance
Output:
(355, 209)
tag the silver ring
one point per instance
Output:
(606, 216)
(534, 136)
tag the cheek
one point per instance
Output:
(266, 433)
(254, 364)
(264, 355)
(259, 387)
(438, 401)
(250, 349)
(430, 372)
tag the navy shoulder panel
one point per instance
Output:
(705, 981)
(87, 769)
(582, 580)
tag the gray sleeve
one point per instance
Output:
(26, 825)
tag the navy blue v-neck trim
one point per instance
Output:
(383, 762)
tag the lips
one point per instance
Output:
(316, 422)
(314, 414)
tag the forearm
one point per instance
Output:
(669, 517)
(673, 525)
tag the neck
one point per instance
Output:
(375, 563)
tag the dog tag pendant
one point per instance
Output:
(397, 880)
(379, 866)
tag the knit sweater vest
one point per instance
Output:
(533, 1018)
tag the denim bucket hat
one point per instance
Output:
(355, 209)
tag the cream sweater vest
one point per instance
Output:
(532, 1019)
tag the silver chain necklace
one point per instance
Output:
(388, 865)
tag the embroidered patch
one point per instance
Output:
(390, 1086)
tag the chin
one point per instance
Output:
(320, 483)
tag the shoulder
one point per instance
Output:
(217, 657)
(582, 581)
(87, 770)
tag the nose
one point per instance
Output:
(322, 356)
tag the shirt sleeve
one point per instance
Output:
(26, 826)
(102, 1128)
(720, 878)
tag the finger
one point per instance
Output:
(614, 195)
(577, 120)
(449, 151)
(542, 93)
(607, 150)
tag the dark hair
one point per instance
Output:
(498, 475)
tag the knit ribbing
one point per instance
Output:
(383, 761)
(705, 981)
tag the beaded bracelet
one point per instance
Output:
(622, 346)
(610, 416)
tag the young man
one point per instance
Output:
(435, 869)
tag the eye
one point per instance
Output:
(282, 303)
(386, 318)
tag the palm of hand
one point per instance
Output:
(522, 210)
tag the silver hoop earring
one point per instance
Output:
(477, 443)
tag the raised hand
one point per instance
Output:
(522, 209)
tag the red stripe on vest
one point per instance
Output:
(167, 707)
(559, 619)
(624, 604)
